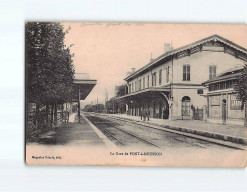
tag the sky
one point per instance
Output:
(107, 51)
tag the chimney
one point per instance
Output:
(167, 47)
(133, 70)
(128, 73)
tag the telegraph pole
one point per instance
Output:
(106, 100)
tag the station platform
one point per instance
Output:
(231, 133)
(85, 132)
(74, 133)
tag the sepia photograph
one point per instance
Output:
(135, 94)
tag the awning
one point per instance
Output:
(151, 91)
(82, 81)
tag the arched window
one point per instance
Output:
(186, 106)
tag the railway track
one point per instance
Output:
(110, 134)
(155, 131)
(114, 132)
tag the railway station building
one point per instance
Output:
(223, 104)
(170, 86)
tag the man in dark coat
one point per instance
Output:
(144, 114)
(148, 114)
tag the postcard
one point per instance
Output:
(135, 94)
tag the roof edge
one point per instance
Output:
(175, 51)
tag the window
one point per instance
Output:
(210, 87)
(143, 83)
(186, 72)
(224, 85)
(130, 88)
(160, 77)
(135, 86)
(221, 85)
(229, 84)
(186, 106)
(199, 91)
(154, 79)
(148, 81)
(218, 86)
(139, 84)
(235, 104)
(212, 71)
(167, 74)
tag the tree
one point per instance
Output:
(121, 103)
(242, 90)
(49, 66)
(116, 106)
(120, 90)
(94, 108)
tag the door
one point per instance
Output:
(186, 106)
(166, 112)
(197, 113)
(160, 110)
(224, 112)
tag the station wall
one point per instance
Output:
(199, 65)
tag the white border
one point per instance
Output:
(16, 176)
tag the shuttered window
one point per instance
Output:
(186, 72)
(167, 74)
(160, 77)
(212, 72)
(139, 85)
(154, 79)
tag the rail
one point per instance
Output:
(119, 129)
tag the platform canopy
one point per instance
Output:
(83, 85)
(149, 92)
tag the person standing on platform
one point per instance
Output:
(164, 114)
(67, 115)
(148, 114)
(144, 115)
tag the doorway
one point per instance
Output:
(186, 106)
(160, 110)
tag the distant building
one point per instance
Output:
(222, 102)
(170, 86)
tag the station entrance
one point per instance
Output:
(153, 103)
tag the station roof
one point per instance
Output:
(145, 92)
(234, 69)
(230, 74)
(189, 46)
(86, 85)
